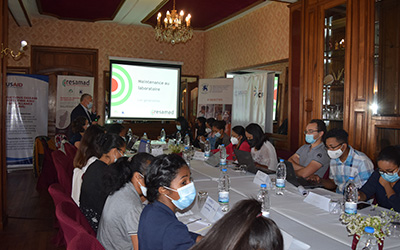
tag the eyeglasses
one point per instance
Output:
(332, 148)
(391, 173)
(310, 131)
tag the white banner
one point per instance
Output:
(27, 113)
(253, 97)
(69, 91)
(215, 98)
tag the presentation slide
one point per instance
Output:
(144, 91)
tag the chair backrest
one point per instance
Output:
(72, 221)
(70, 150)
(84, 241)
(65, 168)
(58, 194)
(48, 173)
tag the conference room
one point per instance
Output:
(276, 63)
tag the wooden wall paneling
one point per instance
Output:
(3, 166)
(53, 61)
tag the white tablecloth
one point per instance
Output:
(305, 222)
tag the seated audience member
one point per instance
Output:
(238, 141)
(78, 127)
(263, 152)
(88, 152)
(209, 134)
(117, 129)
(93, 193)
(384, 182)
(182, 126)
(125, 182)
(345, 162)
(218, 128)
(169, 188)
(312, 157)
(243, 227)
(199, 131)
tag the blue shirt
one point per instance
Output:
(159, 229)
(374, 187)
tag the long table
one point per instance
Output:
(306, 223)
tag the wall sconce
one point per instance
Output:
(6, 51)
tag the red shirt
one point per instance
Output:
(244, 146)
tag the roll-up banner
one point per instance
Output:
(215, 100)
(27, 113)
(69, 91)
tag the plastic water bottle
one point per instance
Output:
(222, 155)
(145, 136)
(223, 190)
(129, 135)
(186, 155)
(207, 149)
(350, 197)
(367, 240)
(263, 198)
(148, 147)
(186, 140)
(280, 177)
(178, 138)
(162, 135)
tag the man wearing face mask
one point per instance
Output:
(345, 162)
(384, 182)
(86, 109)
(218, 128)
(311, 158)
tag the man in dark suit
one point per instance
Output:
(84, 109)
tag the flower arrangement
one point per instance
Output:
(356, 224)
(176, 149)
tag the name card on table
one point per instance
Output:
(262, 178)
(211, 210)
(318, 201)
(157, 151)
(198, 155)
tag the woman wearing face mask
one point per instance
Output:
(119, 222)
(169, 188)
(218, 129)
(209, 134)
(238, 141)
(182, 126)
(384, 182)
(93, 193)
(263, 152)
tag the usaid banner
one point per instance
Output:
(69, 91)
(253, 96)
(215, 99)
(27, 111)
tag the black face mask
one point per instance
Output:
(252, 143)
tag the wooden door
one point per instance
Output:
(53, 61)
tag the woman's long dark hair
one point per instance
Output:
(121, 172)
(258, 135)
(243, 228)
(161, 172)
(184, 124)
(88, 146)
(109, 141)
(77, 124)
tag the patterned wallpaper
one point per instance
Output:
(257, 38)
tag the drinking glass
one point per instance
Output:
(201, 198)
(334, 206)
(243, 169)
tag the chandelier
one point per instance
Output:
(173, 30)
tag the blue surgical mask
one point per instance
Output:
(178, 127)
(187, 195)
(310, 138)
(390, 177)
(218, 135)
(90, 105)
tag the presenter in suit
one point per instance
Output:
(84, 109)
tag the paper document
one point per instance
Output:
(318, 201)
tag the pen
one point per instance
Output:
(190, 222)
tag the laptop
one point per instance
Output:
(213, 160)
(298, 181)
(245, 158)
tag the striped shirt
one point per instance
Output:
(357, 165)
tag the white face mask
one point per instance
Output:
(234, 140)
(334, 154)
(143, 188)
(115, 159)
(208, 130)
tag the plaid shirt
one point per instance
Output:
(357, 165)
